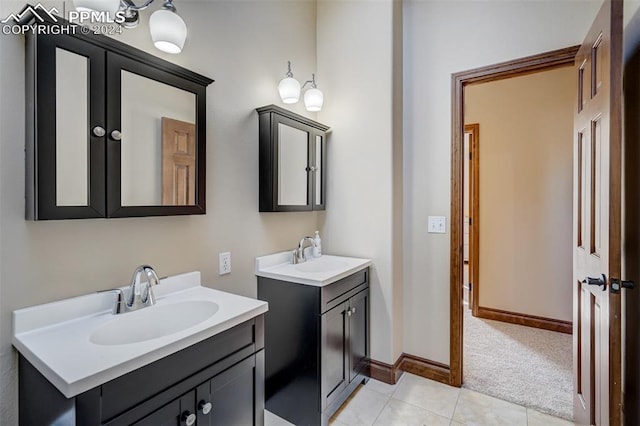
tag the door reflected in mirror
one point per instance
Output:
(158, 145)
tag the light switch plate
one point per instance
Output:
(437, 224)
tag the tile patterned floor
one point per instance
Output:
(422, 402)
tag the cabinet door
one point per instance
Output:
(175, 413)
(334, 353)
(318, 168)
(358, 333)
(293, 159)
(66, 149)
(155, 141)
(232, 397)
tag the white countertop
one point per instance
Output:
(278, 266)
(55, 337)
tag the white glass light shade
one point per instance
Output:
(168, 30)
(289, 89)
(313, 99)
(110, 6)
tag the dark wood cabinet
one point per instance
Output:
(219, 381)
(293, 161)
(170, 414)
(316, 346)
(358, 334)
(95, 143)
(227, 399)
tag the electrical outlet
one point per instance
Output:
(437, 225)
(224, 263)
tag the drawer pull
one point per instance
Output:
(188, 418)
(205, 407)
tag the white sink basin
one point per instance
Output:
(315, 271)
(153, 322)
(321, 265)
(78, 344)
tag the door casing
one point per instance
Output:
(517, 67)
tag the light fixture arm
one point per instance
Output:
(129, 4)
(289, 73)
(312, 82)
(168, 30)
(132, 11)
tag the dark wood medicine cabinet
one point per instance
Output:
(112, 131)
(293, 161)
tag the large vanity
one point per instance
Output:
(195, 357)
(316, 333)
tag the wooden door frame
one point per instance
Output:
(474, 213)
(527, 65)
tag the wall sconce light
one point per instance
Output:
(289, 89)
(168, 30)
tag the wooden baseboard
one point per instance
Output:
(384, 372)
(425, 368)
(525, 319)
(390, 374)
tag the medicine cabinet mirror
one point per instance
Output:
(113, 131)
(293, 152)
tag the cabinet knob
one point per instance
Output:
(99, 131)
(116, 135)
(349, 312)
(188, 418)
(353, 311)
(205, 407)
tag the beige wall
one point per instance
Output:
(526, 191)
(244, 46)
(441, 38)
(356, 66)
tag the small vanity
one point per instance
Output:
(316, 333)
(195, 357)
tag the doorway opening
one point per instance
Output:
(466, 269)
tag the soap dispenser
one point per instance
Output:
(317, 250)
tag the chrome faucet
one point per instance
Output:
(136, 299)
(298, 253)
(132, 299)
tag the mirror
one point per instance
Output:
(292, 161)
(112, 131)
(292, 166)
(72, 127)
(158, 145)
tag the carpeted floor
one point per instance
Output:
(524, 365)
